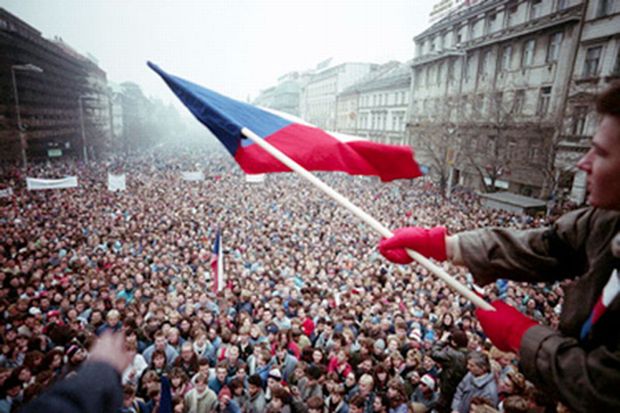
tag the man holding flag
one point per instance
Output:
(578, 364)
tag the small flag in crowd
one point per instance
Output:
(311, 147)
(217, 264)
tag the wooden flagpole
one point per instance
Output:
(361, 214)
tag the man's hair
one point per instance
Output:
(357, 400)
(515, 404)
(608, 102)
(255, 380)
(315, 402)
(200, 378)
(480, 359)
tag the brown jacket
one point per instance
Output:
(583, 375)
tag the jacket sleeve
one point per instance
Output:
(585, 380)
(544, 254)
(456, 400)
(95, 388)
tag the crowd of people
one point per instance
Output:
(312, 319)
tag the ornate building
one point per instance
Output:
(492, 90)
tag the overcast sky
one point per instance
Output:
(236, 47)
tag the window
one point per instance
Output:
(485, 63)
(498, 99)
(535, 9)
(450, 74)
(593, 57)
(616, 70)
(528, 53)
(604, 8)
(562, 4)
(534, 153)
(580, 114)
(519, 100)
(438, 74)
(506, 57)
(491, 22)
(543, 100)
(512, 16)
(553, 50)
(512, 151)
(469, 66)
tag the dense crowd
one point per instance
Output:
(312, 319)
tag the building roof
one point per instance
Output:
(390, 74)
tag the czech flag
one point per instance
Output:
(217, 264)
(311, 147)
(610, 292)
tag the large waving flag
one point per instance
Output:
(311, 147)
(217, 264)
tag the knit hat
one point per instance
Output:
(225, 391)
(429, 381)
(275, 374)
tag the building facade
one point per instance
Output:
(376, 106)
(48, 93)
(596, 64)
(489, 81)
(286, 95)
(318, 105)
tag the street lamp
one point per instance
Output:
(81, 108)
(22, 140)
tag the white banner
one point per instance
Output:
(6, 193)
(66, 182)
(193, 176)
(255, 179)
(116, 182)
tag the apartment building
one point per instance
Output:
(489, 81)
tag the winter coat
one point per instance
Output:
(583, 374)
(256, 403)
(204, 402)
(453, 369)
(470, 387)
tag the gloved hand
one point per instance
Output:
(505, 326)
(429, 242)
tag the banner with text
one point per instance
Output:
(193, 176)
(116, 182)
(37, 183)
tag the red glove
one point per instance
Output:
(429, 242)
(505, 326)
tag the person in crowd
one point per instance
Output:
(256, 401)
(478, 382)
(201, 399)
(575, 359)
(451, 354)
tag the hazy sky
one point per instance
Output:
(236, 47)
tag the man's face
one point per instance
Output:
(160, 343)
(221, 374)
(602, 164)
(252, 389)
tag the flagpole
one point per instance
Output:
(361, 214)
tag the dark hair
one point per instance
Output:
(314, 402)
(608, 102)
(255, 380)
(358, 400)
(459, 337)
(515, 404)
